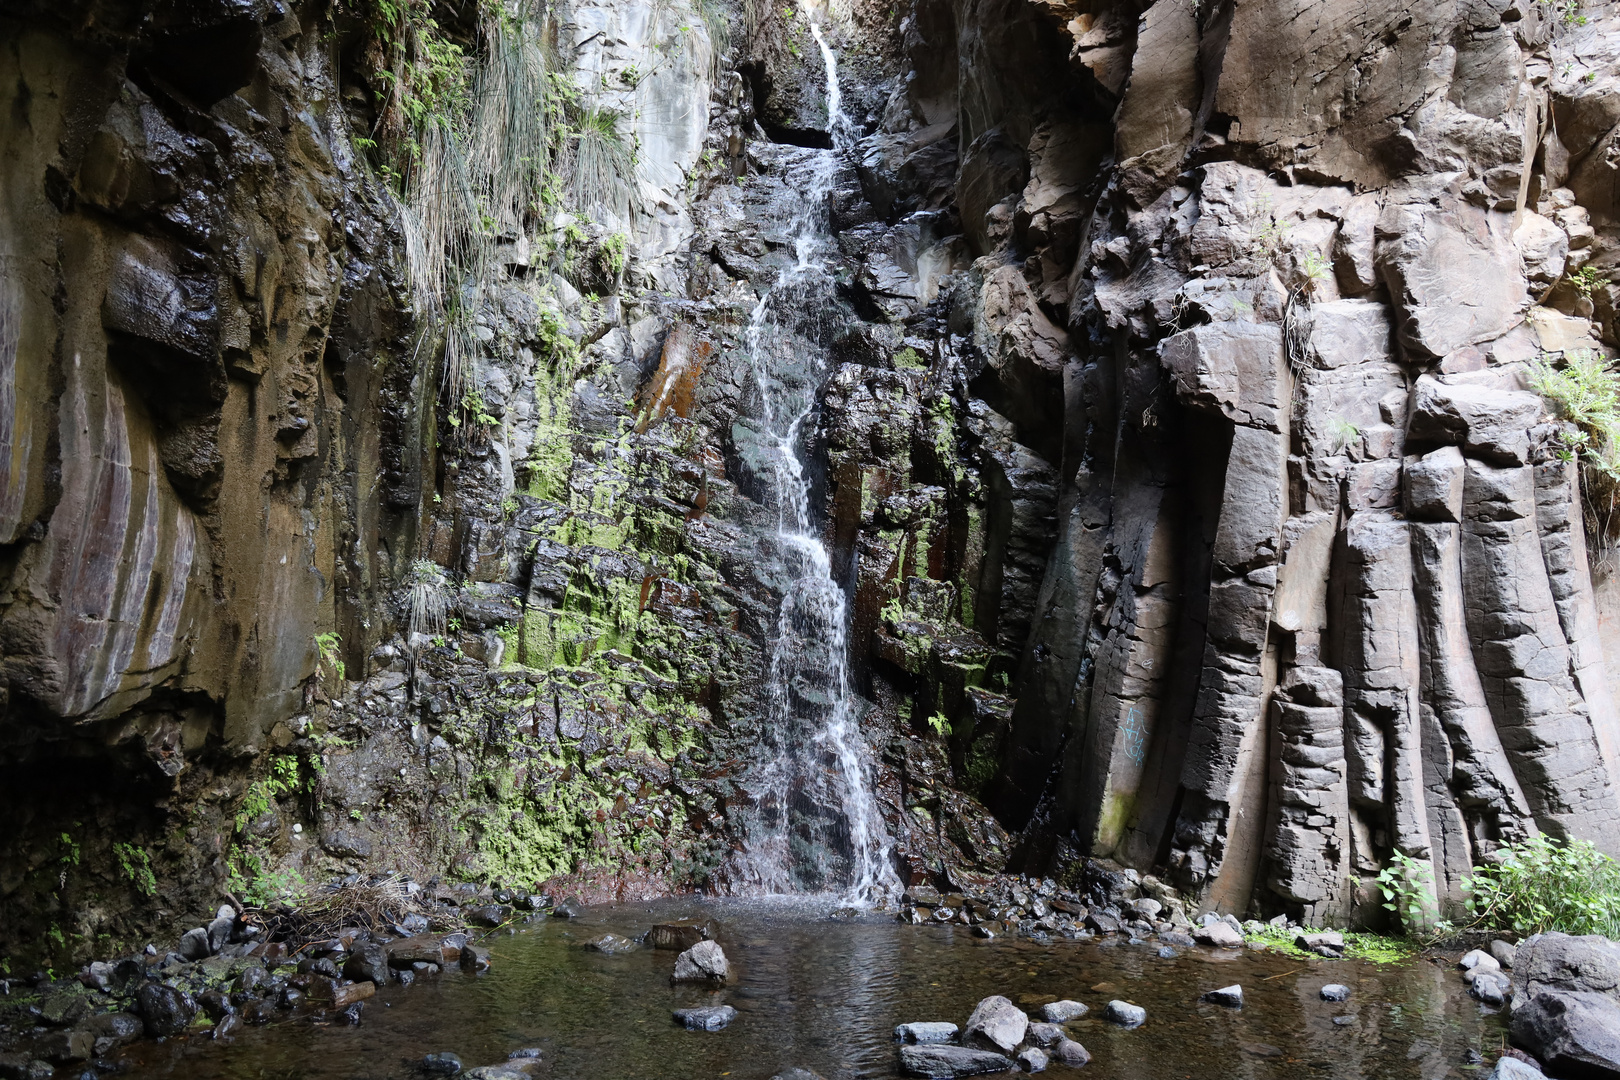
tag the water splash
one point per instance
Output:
(819, 826)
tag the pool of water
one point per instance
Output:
(817, 993)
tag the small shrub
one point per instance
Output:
(1407, 885)
(1544, 884)
(941, 725)
(327, 646)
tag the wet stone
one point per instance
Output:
(1032, 1060)
(611, 944)
(996, 1024)
(1044, 1034)
(707, 1018)
(1229, 996)
(443, 1063)
(1061, 1012)
(925, 1032)
(703, 962)
(1125, 1014)
(1335, 992)
(943, 1061)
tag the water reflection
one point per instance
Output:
(825, 995)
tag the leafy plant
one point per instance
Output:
(136, 866)
(1407, 885)
(1544, 884)
(1585, 391)
(1567, 13)
(1344, 433)
(1586, 280)
(327, 645)
(941, 725)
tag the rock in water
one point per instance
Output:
(1061, 1012)
(1045, 1034)
(1032, 1060)
(1125, 1014)
(679, 935)
(703, 962)
(1504, 953)
(164, 1010)
(996, 1024)
(1565, 1010)
(1230, 996)
(1511, 1068)
(942, 1061)
(708, 1018)
(1069, 1052)
(1335, 992)
(443, 1063)
(925, 1032)
(613, 945)
(367, 963)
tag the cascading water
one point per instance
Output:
(819, 828)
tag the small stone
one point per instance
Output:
(1069, 1052)
(1344, 1021)
(1167, 953)
(943, 1061)
(1230, 996)
(1032, 1060)
(1061, 1012)
(708, 1018)
(678, 936)
(227, 1027)
(1511, 1068)
(194, 945)
(571, 908)
(703, 962)
(443, 1063)
(1335, 992)
(524, 1053)
(611, 944)
(1504, 953)
(1478, 960)
(925, 1032)
(163, 1009)
(1125, 1014)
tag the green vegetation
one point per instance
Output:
(326, 646)
(1544, 884)
(1566, 13)
(1583, 390)
(1586, 280)
(136, 866)
(1407, 885)
(1373, 948)
(941, 724)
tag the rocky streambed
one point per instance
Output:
(814, 986)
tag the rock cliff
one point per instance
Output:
(1176, 448)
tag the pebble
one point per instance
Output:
(525, 1052)
(443, 1063)
(1335, 992)
(1230, 996)
(1344, 1021)
(1167, 953)
(1125, 1014)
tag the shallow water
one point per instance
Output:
(826, 995)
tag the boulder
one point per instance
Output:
(1219, 935)
(1125, 1014)
(703, 962)
(996, 1024)
(706, 1018)
(942, 1060)
(367, 963)
(1573, 1032)
(164, 1010)
(925, 1032)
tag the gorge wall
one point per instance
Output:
(1176, 453)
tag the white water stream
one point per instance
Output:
(820, 828)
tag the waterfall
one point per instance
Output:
(819, 827)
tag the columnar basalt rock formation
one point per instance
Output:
(1175, 448)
